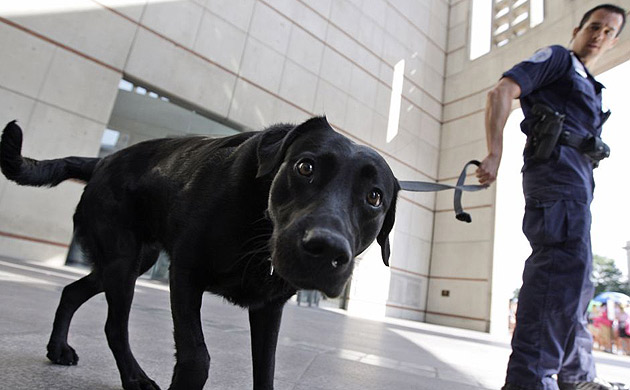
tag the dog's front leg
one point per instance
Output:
(192, 358)
(264, 325)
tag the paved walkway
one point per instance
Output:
(319, 349)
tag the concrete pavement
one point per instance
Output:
(318, 348)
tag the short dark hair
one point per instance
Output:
(609, 8)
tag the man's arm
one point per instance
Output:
(498, 107)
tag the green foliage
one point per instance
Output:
(515, 293)
(607, 277)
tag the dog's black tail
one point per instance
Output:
(29, 172)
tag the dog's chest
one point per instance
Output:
(252, 285)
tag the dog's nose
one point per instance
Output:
(325, 244)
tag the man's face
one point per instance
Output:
(596, 36)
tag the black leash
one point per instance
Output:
(423, 186)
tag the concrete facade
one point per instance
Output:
(257, 62)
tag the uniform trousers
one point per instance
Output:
(551, 336)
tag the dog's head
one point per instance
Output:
(329, 200)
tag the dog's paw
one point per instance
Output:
(144, 383)
(62, 354)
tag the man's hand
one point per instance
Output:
(487, 171)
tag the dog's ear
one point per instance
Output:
(388, 224)
(274, 143)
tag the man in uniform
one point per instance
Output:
(561, 101)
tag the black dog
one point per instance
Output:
(251, 217)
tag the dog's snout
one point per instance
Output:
(325, 244)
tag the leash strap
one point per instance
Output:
(424, 186)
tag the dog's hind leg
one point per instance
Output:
(72, 297)
(119, 280)
(193, 360)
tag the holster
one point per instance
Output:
(595, 148)
(591, 146)
(546, 131)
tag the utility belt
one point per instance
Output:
(547, 133)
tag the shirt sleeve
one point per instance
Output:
(544, 67)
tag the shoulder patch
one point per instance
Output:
(541, 55)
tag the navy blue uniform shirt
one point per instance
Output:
(554, 76)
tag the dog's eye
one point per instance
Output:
(375, 198)
(305, 168)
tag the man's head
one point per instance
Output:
(597, 32)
